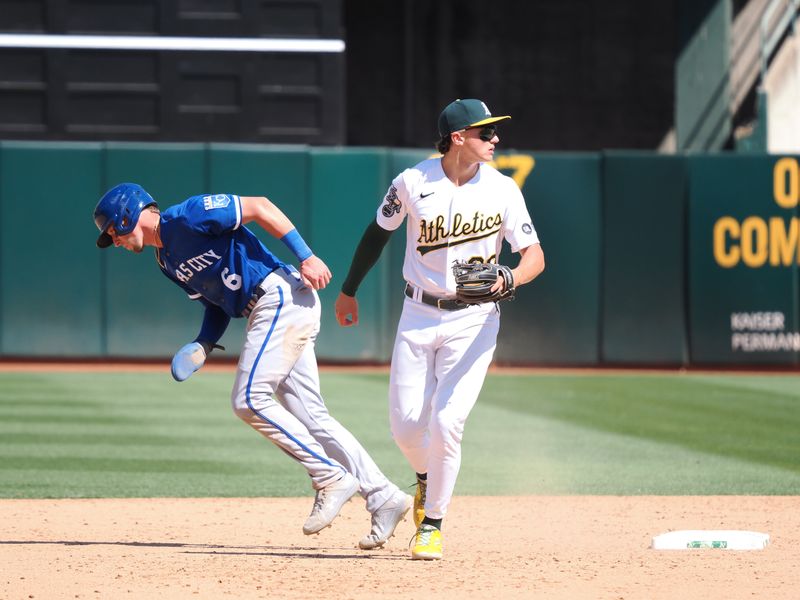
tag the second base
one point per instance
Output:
(722, 539)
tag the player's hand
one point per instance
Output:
(499, 285)
(346, 308)
(315, 273)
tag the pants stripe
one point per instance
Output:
(250, 381)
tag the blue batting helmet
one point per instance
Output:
(120, 206)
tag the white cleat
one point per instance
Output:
(329, 502)
(386, 519)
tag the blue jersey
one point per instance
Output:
(210, 254)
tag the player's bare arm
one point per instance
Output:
(314, 272)
(268, 216)
(530, 266)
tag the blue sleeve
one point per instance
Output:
(214, 214)
(215, 322)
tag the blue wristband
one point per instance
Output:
(297, 245)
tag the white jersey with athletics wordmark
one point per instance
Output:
(448, 222)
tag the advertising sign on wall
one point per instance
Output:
(743, 259)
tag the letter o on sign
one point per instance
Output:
(786, 182)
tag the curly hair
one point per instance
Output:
(443, 145)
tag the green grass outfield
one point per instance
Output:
(125, 434)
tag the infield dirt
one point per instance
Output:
(593, 547)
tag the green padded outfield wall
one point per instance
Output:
(345, 189)
(50, 278)
(554, 319)
(744, 248)
(112, 303)
(646, 255)
(643, 313)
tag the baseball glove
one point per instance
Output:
(474, 282)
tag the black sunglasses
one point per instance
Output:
(487, 132)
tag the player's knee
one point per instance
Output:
(242, 411)
(448, 429)
(246, 407)
(406, 432)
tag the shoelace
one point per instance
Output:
(319, 500)
(422, 486)
(424, 536)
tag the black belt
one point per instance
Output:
(258, 291)
(442, 303)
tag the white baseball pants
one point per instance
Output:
(439, 363)
(277, 390)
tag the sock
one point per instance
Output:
(435, 522)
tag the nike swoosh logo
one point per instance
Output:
(426, 195)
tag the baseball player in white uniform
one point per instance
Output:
(203, 245)
(458, 208)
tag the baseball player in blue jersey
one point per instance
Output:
(203, 246)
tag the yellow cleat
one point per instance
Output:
(427, 543)
(419, 501)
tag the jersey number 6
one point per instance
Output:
(232, 281)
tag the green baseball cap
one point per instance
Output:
(461, 114)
